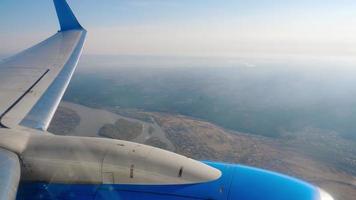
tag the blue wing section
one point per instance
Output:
(67, 19)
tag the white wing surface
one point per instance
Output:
(33, 82)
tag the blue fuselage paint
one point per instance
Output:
(237, 182)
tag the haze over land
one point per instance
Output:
(293, 115)
(269, 97)
(271, 107)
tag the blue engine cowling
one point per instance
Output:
(236, 183)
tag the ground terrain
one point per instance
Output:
(318, 156)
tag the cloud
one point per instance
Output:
(218, 39)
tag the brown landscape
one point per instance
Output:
(301, 155)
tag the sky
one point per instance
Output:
(191, 27)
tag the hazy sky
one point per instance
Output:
(191, 27)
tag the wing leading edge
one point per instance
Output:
(9, 174)
(33, 82)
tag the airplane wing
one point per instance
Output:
(9, 174)
(33, 82)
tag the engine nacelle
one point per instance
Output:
(84, 160)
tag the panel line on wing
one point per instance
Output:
(21, 97)
(42, 113)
